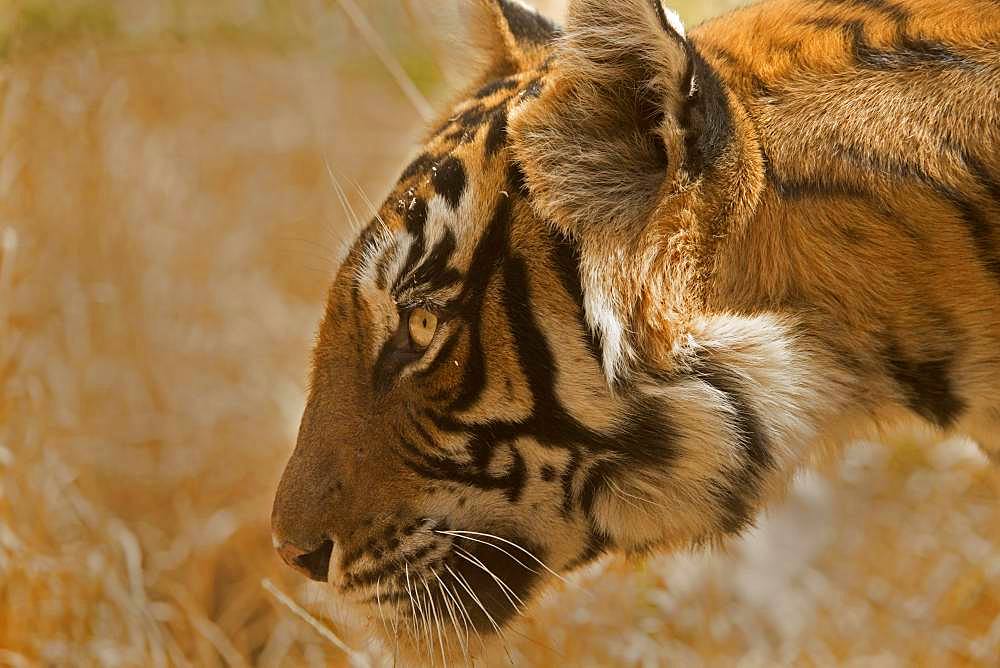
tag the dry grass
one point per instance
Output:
(167, 230)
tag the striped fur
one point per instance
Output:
(668, 270)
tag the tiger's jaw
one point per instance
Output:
(441, 590)
(431, 586)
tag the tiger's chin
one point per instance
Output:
(436, 644)
(449, 595)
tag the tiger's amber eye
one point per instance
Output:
(422, 326)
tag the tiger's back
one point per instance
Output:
(879, 126)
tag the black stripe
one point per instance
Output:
(486, 260)
(566, 263)
(391, 570)
(422, 163)
(646, 437)
(517, 181)
(891, 10)
(740, 490)
(747, 424)
(758, 87)
(517, 476)
(526, 25)
(797, 189)
(567, 478)
(597, 544)
(412, 447)
(496, 136)
(736, 508)
(706, 116)
(534, 355)
(415, 220)
(434, 272)
(980, 230)
(474, 117)
(989, 182)
(495, 87)
(908, 53)
(978, 227)
(463, 126)
(595, 481)
(926, 386)
(482, 447)
(422, 431)
(449, 180)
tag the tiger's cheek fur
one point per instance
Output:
(747, 413)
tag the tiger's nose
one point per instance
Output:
(314, 564)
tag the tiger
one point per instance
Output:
(635, 279)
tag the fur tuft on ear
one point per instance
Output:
(634, 41)
(614, 131)
(513, 36)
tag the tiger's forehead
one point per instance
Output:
(446, 199)
(462, 150)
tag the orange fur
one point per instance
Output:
(668, 270)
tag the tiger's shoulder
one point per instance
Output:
(776, 40)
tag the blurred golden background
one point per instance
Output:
(176, 184)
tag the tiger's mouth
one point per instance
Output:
(443, 589)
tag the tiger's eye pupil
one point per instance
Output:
(422, 326)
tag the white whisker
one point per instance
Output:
(425, 622)
(633, 496)
(352, 217)
(371, 207)
(496, 627)
(464, 612)
(437, 620)
(428, 632)
(623, 497)
(389, 61)
(465, 585)
(414, 622)
(504, 587)
(495, 547)
(378, 599)
(446, 597)
(516, 546)
(395, 634)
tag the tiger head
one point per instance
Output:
(471, 431)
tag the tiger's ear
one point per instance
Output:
(512, 35)
(616, 124)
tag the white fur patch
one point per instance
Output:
(403, 243)
(438, 214)
(364, 274)
(524, 5)
(604, 320)
(674, 20)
